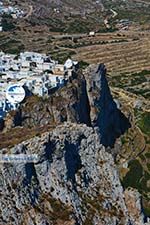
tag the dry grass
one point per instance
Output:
(20, 134)
(120, 57)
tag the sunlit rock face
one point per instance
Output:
(69, 103)
(85, 99)
(74, 181)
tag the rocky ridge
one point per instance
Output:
(75, 180)
(105, 112)
(69, 103)
(85, 99)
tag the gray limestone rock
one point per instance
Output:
(74, 181)
(105, 113)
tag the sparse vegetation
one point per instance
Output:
(83, 64)
(10, 139)
(135, 83)
(132, 178)
(126, 55)
(12, 46)
(7, 23)
(144, 123)
(137, 178)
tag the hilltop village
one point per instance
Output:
(30, 73)
(9, 11)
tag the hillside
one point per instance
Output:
(63, 16)
(82, 138)
(61, 28)
(96, 107)
(123, 124)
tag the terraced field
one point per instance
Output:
(130, 56)
(123, 53)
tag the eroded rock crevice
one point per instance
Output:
(105, 115)
(76, 178)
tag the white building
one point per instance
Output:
(36, 72)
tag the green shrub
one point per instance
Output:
(144, 123)
(134, 175)
(7, 23)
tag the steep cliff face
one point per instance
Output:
(85, 99)
(105, 113)
(69, 103)
(74, 181)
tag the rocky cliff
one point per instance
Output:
(85, 99)
(105, 113)
(74, 181)
(69, 103)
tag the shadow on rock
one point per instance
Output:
(111, 121)
(73, 160)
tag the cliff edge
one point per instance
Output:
(74, 181)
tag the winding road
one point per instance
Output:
(30, 12)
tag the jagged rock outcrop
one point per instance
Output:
(104, 113)
(74, 181)
(85, 99)
(133, 203)
(69, 103)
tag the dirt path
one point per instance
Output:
(30, 12)
(142, 1)
(106, 20)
